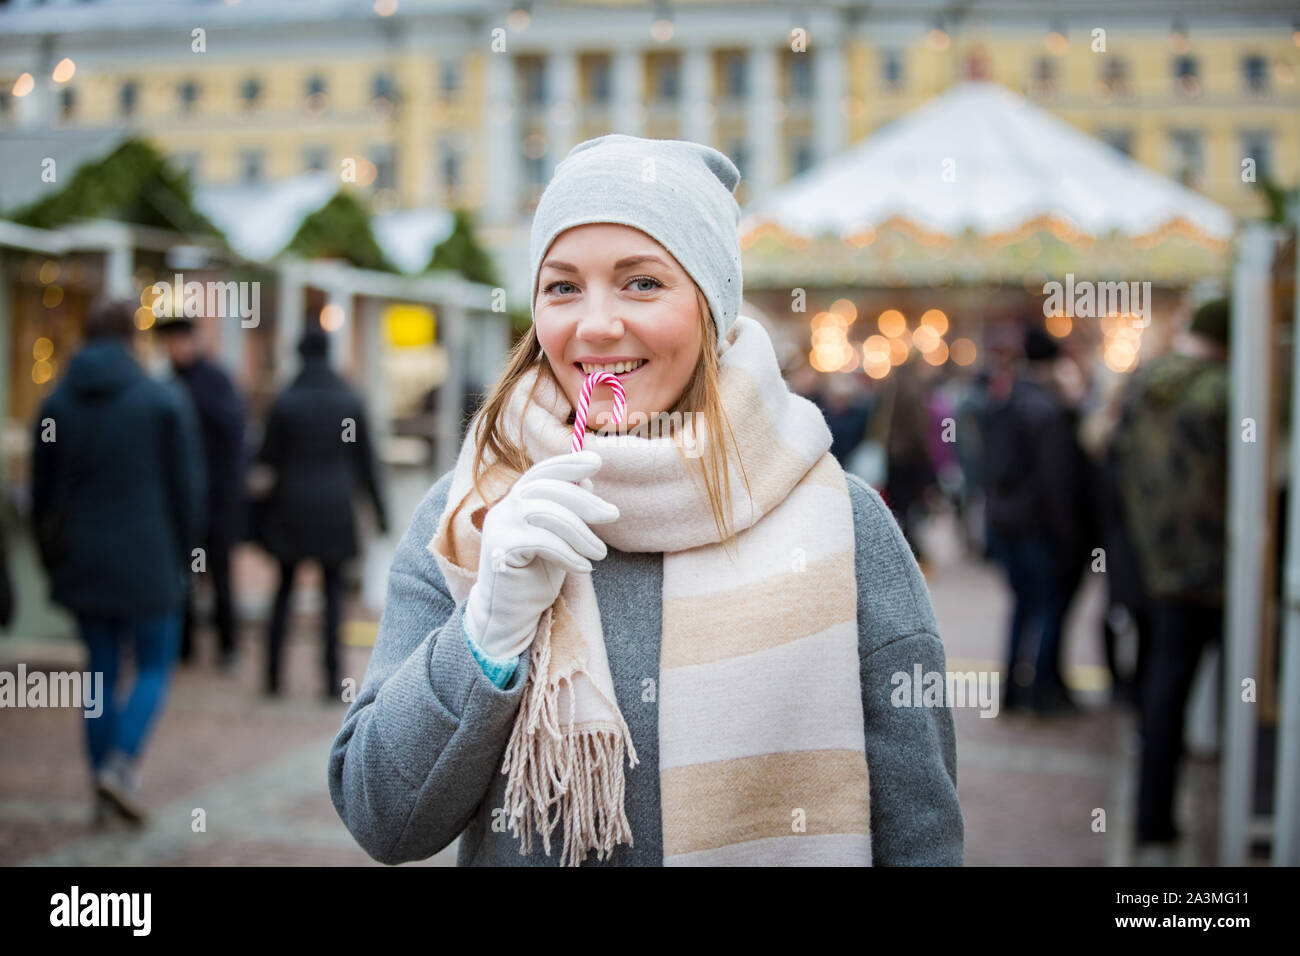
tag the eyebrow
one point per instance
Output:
(625, 263)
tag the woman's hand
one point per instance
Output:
(531, 538)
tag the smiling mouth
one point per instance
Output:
(619, 375)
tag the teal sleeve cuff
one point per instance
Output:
(495, 669)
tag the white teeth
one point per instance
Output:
(615, 367)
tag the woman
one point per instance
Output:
(317, 444)
(611, 652)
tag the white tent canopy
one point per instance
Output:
(408, 236)
(259, 219)
(981, 157)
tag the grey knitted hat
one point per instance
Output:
(677, 192)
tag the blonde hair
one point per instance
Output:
(702, 395)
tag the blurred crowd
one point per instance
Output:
(142, 485)
(1054, 473)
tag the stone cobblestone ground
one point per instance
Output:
(1028, 786)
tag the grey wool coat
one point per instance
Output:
(417, 760)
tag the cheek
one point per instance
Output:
(552, 338)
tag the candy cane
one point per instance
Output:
(584, 403)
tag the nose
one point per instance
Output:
(600, 321)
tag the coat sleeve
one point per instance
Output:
(422, 741)
(270, 449)
(231, 422)
(45, 475)
(916, 819)
(367, 467)
(187, 475)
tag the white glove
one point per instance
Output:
(531, 538)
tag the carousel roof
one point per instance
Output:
(981, 159)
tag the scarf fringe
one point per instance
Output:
(580, 771)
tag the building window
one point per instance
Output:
(598, 81)
(315, 159)
(800, 77)
(535, 171)
(449, 80)
(317, 95)
(382, 87)
(532, 74)
(1115, 76)
(385, 161)
(977, 65)
(250, 92)
(187, 94)
(1044, 77)
(1120, 139)
(666, 80)
(1254, 70)
(734, 79)
(891, 70)
(1257, 145)
(449, 167)
(250, 166)
(1187, 158)
(67, 103)
(1187, 76)
(128, 96)
(801, 156)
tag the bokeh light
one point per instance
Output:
(926, 338)
(845, 308)
(935, 319)
(937, 355)
(963, 352)
(892, 322)
(1059, 325)
(332, 317)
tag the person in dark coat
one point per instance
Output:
(1033, 497)
(1173, 447)
(911, 472)
(117, 504)
(7, 609)
(1127, 602)
(221, 416)
(317, 444)
(846, 410)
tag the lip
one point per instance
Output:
(622, 378)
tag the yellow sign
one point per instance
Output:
(409, 326)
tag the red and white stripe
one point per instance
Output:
(584, 403)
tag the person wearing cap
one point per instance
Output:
(221, 416)
(1173, 458)
(690, 641)
(316, 444)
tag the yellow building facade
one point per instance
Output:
(409, 96)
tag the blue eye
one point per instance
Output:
(657, 283)
(554, 284)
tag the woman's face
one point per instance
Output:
(608, 293)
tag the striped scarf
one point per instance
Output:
(762, 754)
